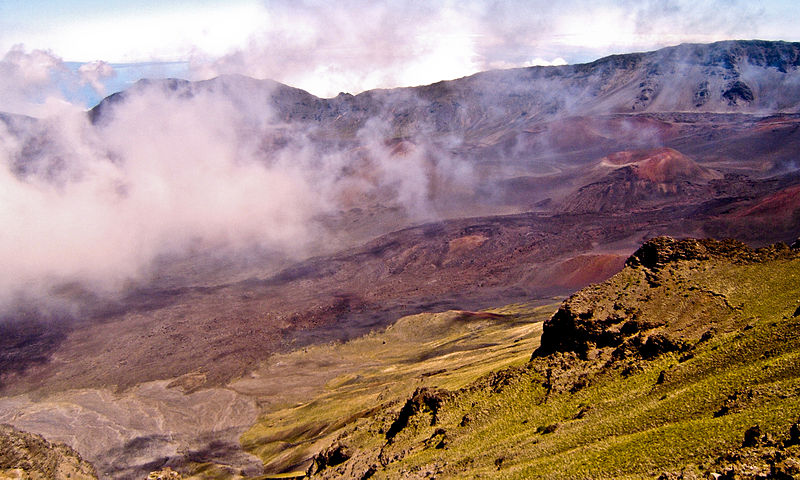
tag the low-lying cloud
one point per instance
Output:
(356, 45)
(94, 74)
(167, 172)
(171, 172)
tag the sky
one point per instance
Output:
(355, 45)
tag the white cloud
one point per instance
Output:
(541, 62)
(354, 45)
(94, 73)
(99, 205)
(29, 81)
(167, 174)
(155, 33)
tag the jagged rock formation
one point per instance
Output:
(658, 252)
(588, 320)
(31, 457)
(164, 474)
(423, 400)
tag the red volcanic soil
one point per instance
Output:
(661, 165)
(781, 204)
(773, 211)
(643, 179)
(583, 270)
(778, 123)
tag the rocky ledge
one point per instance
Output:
(28, 456)
(597, 317)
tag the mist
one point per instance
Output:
(167, 174)
(353, 46)
(240, 171)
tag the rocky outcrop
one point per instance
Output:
(31, 457)
(573, 328)
(738, 93)
(165, 473)
(760, 457)
(330, 457)
(660, 251)
(591, 319)
(423, 400)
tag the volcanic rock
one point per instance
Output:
(30, 456)
(591, 320)
(642, 179)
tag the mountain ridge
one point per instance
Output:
(612, 75)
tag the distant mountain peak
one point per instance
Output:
(730, 76)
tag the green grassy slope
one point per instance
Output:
(356, 379)
(668, 364)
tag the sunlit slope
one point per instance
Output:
(31, 457)
(661, 369)
(356, 379)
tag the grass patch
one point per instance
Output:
(347, 382)
(677, 411)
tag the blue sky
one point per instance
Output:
(353, 45)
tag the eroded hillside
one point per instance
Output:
(684, 364)
(27, 456)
